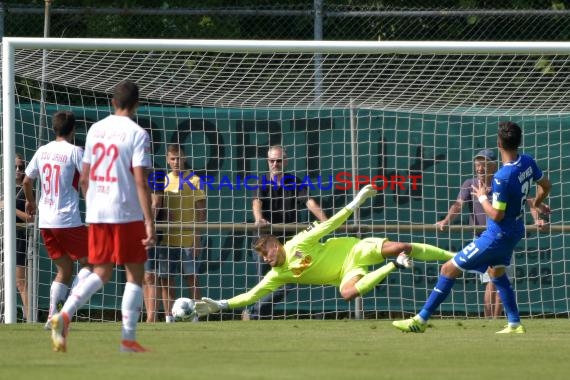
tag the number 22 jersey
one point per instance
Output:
(114, 146)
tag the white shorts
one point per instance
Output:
(484, 277)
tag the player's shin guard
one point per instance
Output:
(437, 296)
(131, 309)
(426, 252)
(81, 275)
(57, 294)
(370, 280)
(508, 298)
(81, 293)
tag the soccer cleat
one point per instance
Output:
(59, 329)
(47, 326)
(410, 325)
(131, 346)
(403, 261)
(512, 330)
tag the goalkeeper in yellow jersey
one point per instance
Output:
(341, 262)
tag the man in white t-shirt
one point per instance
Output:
(58, 165)
(121, 226)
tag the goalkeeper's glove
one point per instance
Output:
(208, 306)
(367, 192)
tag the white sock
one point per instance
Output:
(81, 275)
(57, 293)
(131, 310)
(420, 319)
(81, 293)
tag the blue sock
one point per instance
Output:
(437, 296)
(508, 298)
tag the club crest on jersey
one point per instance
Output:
(301, 266)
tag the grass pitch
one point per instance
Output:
(305, 349)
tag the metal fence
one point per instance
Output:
(316, 20)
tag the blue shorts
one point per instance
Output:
(491, 249)
(150, 264)
(170, 261)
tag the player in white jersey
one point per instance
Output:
(58, 166)
(121, 227)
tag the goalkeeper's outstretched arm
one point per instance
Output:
(267, 285)
(322, 229)
(208, 306)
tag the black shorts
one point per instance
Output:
(21, 247)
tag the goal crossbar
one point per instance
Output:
(292, 46)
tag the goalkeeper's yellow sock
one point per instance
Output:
(426, 252)
(370, 280)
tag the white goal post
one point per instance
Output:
(363, 108)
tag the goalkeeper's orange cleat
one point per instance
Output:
(59, 330)
(131, 346)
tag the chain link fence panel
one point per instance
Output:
(340, 21)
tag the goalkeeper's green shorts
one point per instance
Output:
(363, 254)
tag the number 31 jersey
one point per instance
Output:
(114, 146)
(58, 165)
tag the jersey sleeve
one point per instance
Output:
(500, 193)
(141, 150)
(199, 194)
(32, 170)
(78, 158)
(319, 230)
(258, 193)
(537, 173)
(268, 284)
(87, 152)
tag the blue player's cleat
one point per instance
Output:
(410, 325)
(512, 330)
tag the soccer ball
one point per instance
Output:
(183, 309)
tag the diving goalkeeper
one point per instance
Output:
(341, 262)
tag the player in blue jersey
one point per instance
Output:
(505, 228)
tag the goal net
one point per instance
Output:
(411, 115)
